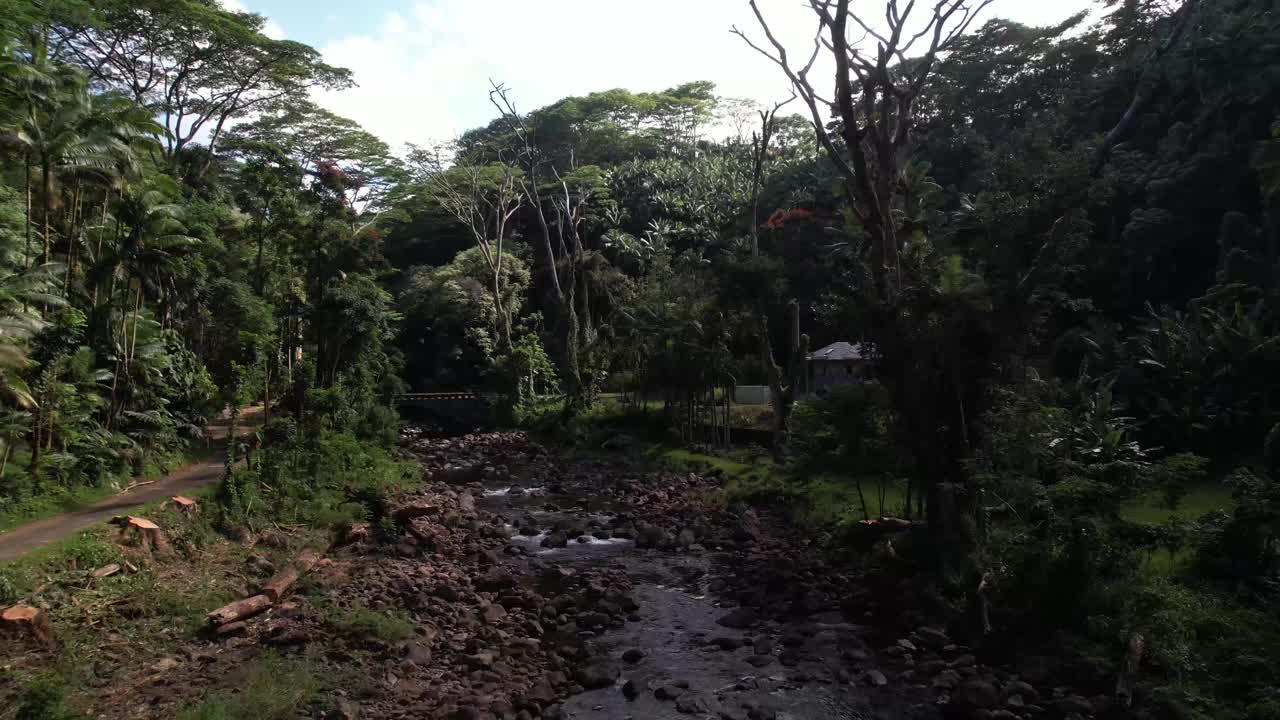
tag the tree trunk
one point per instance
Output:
(503, 321)
(48, 207)
(137, 314)
(30, 219)
(37, 425)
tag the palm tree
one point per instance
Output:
(13, 424)
(28, 80)
(20, 292)
(73, 134)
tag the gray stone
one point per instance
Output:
(977, 694)
(740, 618)
(932, 638)
(598, 673)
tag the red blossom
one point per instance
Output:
(782, 217)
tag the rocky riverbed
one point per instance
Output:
(551, 586)
(544, 585)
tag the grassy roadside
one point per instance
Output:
(61, 499)
(117, 633)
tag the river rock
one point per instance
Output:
(975, 694)
(668, 692)
(597, 673)
(741, 618)
(691, 704)
(555, 540)
(1073, 704)
(1021, 689)
(418, 654)
(932, 638)
(652, 536)
(633, 656)
(946, 680)
(726, 643)
(493, 614)
(876, 678)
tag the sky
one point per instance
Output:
(423, 66)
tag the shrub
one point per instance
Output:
(44, 698)
(847, 429)
(1176, 474)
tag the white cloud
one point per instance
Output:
(425, 75)
(271, 29)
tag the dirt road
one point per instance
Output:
(25, 538)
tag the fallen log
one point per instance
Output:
(358, 532)
(106, 571)
(406, 513)
(278, 586)
(239, 610)
(233, 628)
(29, 622)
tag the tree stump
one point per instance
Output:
(28, 622)
(148, 534)
(184, 504)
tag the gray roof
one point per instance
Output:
(839, 351)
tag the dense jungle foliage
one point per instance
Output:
(1059, 247)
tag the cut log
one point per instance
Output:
(239, 610)
(106, 571)
(358, 532)
(233, 628)
(29, 622)
(278, 586)
(408, 512)
(307, 559)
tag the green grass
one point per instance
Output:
(819, 500)
(276, 689)
(1151, 508)
(360, 623)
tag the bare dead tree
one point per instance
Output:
(531, 162)
(875, 94)
(881, 68)
(781, 390)
(568, 207)
(484, 199)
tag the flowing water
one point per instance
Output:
(813, 668)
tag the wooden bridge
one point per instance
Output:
(464, 407)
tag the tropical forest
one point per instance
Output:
(940, 379)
